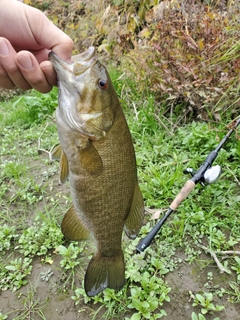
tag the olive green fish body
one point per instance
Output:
(99, 159)
(105, 194)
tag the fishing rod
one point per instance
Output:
(205, 174)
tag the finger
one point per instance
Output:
(41, 55)
(64, 48)
(49, 72)
(5, 81)
(10, 74)
(32, 72)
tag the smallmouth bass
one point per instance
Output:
(97, 155)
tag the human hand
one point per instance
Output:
(26, 38)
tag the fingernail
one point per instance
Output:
(25, 61)
(4, 50)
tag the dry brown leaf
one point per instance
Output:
(157, 214)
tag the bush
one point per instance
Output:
(191, 57)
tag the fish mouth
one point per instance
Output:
(80, 63)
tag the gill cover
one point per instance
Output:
(85, 94)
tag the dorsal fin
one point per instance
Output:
(134, 220)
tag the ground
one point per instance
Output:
(59, 306)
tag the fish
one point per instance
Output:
(97, 156)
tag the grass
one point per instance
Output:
(32, 204)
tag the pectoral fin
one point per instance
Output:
(134, 220)
(72, 226)
(56, 153)
(90, 159)
(64, 169)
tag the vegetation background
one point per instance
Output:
(175, 66)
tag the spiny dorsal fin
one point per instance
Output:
(134, 220)
(72, 226)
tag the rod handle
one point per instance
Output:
(145, 242)
(184, 192)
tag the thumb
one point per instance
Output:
(48, 35)
(56, 40)
(61, 44)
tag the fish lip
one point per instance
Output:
(58, 62)
(85, 56)
(80, 63)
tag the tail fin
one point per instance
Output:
(104, 272)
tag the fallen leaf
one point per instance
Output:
(55, 19)
(157, 214)
(145, 33)
(200, 44)
(49, 260)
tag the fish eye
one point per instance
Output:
(102, 84)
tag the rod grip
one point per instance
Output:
(186, 189)
(145, 242)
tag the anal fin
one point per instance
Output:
(72, 226)
(134, 220)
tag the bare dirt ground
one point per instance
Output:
(55, 305)
(190, 278)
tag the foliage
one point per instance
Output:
(36, 107)
(15, 276)
(205, 300)
(7, 234)
(200, 317)
(37, 239)
(70, 255)
(191, 58)
(3, 316)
